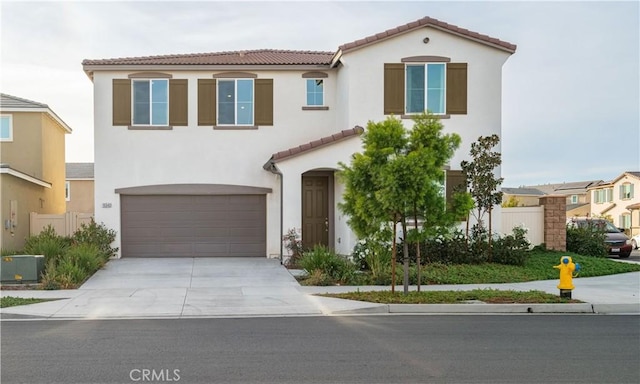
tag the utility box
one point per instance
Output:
(21, 268)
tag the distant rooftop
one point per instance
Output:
(523, 191)
(79, 170)
(8, 101)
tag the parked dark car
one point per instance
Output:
(617, 242)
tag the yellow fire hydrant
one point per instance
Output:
(566, 268)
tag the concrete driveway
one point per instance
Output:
(184, 287)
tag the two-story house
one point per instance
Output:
(32, 170)
(219, 154)
(619, 200)
(79, 189)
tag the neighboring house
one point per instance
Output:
(79, 189)
(32, 150)
(578, 198)
(619, 200)
(218, 154)
(522, 197)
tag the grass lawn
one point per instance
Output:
(10, 301)
(454, 297)
(539, 266)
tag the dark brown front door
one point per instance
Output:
(315, 211)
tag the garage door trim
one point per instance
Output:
(193, 189)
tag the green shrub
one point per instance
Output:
(98, 235)
(321, 258)
(86, 256)
(75, 273)
(318, 278)
(587, 241)
(511, 249)
(47, 243)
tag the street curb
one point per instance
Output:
(493, 308)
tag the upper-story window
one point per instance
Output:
(6, 128)
(235, 102)
(604, 195)
(151, 102)
(315, 92)
(67, 190)
(425, 87)
(574, 199)
(626, 191)
(425, 83)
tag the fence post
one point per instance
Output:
(555, 221)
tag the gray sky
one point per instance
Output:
(570, 92)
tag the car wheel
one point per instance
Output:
(624, 255)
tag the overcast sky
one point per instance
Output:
(571, 104)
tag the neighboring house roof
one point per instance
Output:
(574, 206)
(250, 57)
(6, 168)
(79, 170)
(328, 140)
(289, 57)
(522, 191)
(571, 188)
(10, 103)
(633, 206)
(429, 22)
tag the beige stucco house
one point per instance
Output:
(219, 154)
(32, 165)
(79, 189)
(619, 200)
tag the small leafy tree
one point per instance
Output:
(398, 176)
(481, 180)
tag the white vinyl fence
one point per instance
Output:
(531, 218)
(64, 224)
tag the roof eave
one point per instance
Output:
(89, 69)
(48, 111)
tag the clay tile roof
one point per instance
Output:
(429, 22)
(251, 57)
(79, 170)
(324, 141)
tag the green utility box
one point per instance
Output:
(21, 268)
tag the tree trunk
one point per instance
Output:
(405, 249)
(415, 222)
(490, 247)
(393, 258)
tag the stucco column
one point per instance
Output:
(555, 221)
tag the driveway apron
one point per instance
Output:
(189, 287)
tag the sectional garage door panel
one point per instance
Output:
(193, 225)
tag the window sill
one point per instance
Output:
(315, 108)
(417, 114)
(150, 127)
(235, 127)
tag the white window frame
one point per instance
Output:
(10, 118)
(67, 190)
(574, 199)
(626, 191)
(306, 93)
(426, 89)
(133, 102)
(625, 220)
(235, 103)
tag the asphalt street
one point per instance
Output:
(358, 349)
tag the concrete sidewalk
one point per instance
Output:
(200, 287)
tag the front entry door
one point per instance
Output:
(315, 211)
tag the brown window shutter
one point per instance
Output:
(121, 102)
(455, 183)
(264, 102)
(457, 88)
(393, 89)
(178, 102)
(206, 101)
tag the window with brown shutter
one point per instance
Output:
(264, 101)
(393, 89)
(178, 102)
(206, 101)
(457, 88)
(121, 102)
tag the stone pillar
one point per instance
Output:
(555, 221)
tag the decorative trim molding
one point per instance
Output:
(235, 127)
(235, 75)
(315, 108)
(150, 127)
(314, 75)
(150, 75)
(193, 189)
(426, 59)
(435, 116)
